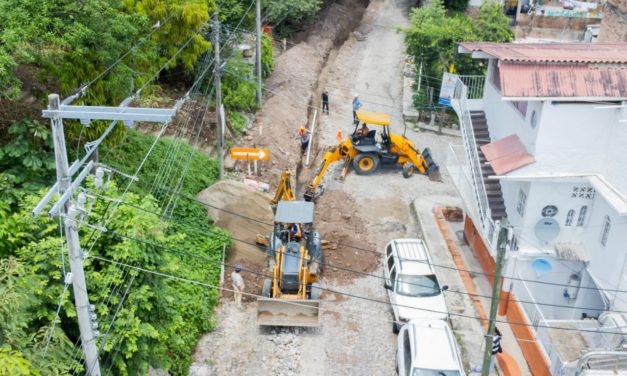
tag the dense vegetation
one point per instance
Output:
(434, 33)
(57, 46)
(160, 320)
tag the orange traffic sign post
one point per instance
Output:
(250, 154)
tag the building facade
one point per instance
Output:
(544, 148)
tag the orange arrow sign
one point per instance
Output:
(250, 154)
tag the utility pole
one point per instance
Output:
(258, 54)
(496, 290)
(218, 66)
(81, 299)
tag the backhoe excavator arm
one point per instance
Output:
(283, 190)
(335, 153)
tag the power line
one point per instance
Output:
(287, 301)
(321, 263)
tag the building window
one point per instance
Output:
(605, 231)
(522, 202)
(521, 107)
(569, 217)
(583, 191)
(496, 75)
(582, 215)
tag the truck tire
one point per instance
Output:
(267, 287)
(314, 293)
(366, 164)
(408, 170)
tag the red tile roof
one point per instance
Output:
(600, 53)
(558, 70)
(507, 154)
(562, 80)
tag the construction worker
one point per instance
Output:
(304, 136)
(325, 101)
(356, 106)
(295, 231)
(238, 285)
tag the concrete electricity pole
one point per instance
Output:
(258, 54)
(496, 290)
(218, 65)
(83, 309)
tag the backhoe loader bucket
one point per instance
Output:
(433, 170)
(288, 312)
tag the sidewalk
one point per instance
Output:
(452, 252)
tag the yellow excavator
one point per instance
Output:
(366, 153)
(291, 296)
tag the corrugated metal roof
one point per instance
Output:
(601, 53)
(507, 154)
(562, 80)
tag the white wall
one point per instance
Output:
(578, 138)
(549, 291)
(505, 120)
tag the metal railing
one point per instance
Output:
(460, 105)
(474, 85)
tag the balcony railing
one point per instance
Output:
(462, 106)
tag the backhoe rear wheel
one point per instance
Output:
(267, 286)
(366, 163)
(408, 169)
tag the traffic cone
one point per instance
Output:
(339, 136)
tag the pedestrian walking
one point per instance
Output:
(304, 136)
(238, 285)
(325, 101)
(496, 348)
(356, 106)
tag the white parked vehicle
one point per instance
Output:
(412, 284)
(428, 348)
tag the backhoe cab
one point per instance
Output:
(366, 152)
(291, 296)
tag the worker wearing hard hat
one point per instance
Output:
(238, 285)
(304, 136)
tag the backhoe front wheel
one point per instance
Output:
(408, 169)
(267, 286)
(366, 163)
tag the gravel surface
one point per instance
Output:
(362, 214)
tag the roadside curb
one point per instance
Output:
(506, 362)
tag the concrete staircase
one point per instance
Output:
(492, 186)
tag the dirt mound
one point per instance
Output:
(244, 212)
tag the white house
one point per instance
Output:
(545, 146)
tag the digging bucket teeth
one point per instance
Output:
(288, 312)
(433, 170)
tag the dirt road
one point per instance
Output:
(363, 212)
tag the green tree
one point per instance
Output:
(492, 25)
(290, 11)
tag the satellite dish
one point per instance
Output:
(541, 266)
(547, 229)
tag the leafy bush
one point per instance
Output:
(239, 88)
(433, 36)
(290, 11)
(267, 60)
(237, 121)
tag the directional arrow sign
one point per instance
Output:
(250, 154)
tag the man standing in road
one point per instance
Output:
(356, 106)
(238, 286)
(325, 101)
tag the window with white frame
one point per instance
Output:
(522, 202)
(582, 215)
(605, 230)
(569, 217)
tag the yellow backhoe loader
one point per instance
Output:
(366, 153)
(291, 296)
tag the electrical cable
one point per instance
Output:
(287, 301)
